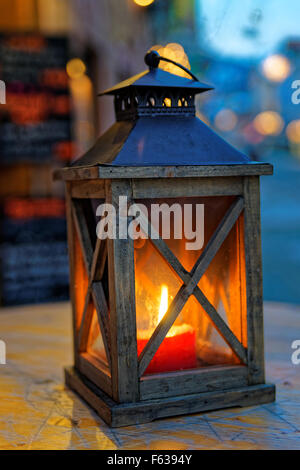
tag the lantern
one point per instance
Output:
(168, 320)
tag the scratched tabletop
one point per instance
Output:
(37, 412)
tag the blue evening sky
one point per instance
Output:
(227, 25)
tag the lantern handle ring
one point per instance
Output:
(152, 59)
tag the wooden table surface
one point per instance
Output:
(36, 412)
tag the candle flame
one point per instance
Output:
(163, 307)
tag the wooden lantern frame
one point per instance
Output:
(122, 395)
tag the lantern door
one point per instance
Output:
(191, 305)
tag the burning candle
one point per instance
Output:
(178, 349)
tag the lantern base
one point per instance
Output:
(125, 414)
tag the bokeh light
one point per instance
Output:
(293, 131)
(251, 135)
(276, 68)
(81, 88)
(76, 68)
(176, 52)
(226, 120)
(268, 123)
(143, 3)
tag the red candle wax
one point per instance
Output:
(176, 352)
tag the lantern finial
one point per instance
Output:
(152, 59)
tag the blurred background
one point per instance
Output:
(56, 55)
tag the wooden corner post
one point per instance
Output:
(125, 382)
(71, 252)
(255, 327)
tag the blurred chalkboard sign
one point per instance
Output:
(35, 128)
(35, 123)
(34, 272)
(33, 251)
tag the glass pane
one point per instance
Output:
(151, 273)
(193, 340)
(95, 344)
(211, 349)
(80, 274)
(224, 282)
(177, 351)
(80, 280)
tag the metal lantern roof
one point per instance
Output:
(161, 141)
(156, 78)
(151, 132)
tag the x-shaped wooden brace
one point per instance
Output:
(190, 286)
(95, 264)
